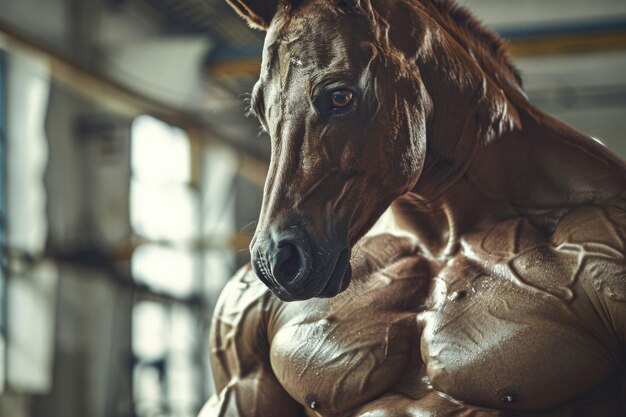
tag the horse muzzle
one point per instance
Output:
(295, 266)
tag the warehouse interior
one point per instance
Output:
(131, 179)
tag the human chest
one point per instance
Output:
(507, 325)
(335, 355)
(499, 326)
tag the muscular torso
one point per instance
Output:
(519, 320)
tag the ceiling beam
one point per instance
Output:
(120, 99)
(530, 41)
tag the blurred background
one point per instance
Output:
(130, 181)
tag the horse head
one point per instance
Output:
(346, 115)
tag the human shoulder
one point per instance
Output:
(597, 231)
(240, 317)
(245, 384)
(243, 291)
(596, 237)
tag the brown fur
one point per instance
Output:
(507, 297)
(476, 33)
(464, 26)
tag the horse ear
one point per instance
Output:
(258, 13)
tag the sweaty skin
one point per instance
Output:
(501, 287)
(498, 329)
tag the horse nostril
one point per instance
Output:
(287, 262)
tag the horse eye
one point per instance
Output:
(340, 98)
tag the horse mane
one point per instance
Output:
(458, 20)
(485, 37)
(460, 23)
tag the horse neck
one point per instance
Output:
(492, 155)
(469, 87)
(540, 172)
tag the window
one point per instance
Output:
(167, 332)
(2, 226)
(29, 281)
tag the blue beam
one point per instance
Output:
(228, 53)
(563, 29)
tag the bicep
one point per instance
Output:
(257, 395)
(245, 383)
(596, 237)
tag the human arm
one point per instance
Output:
(244, 381)
(599, 235)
